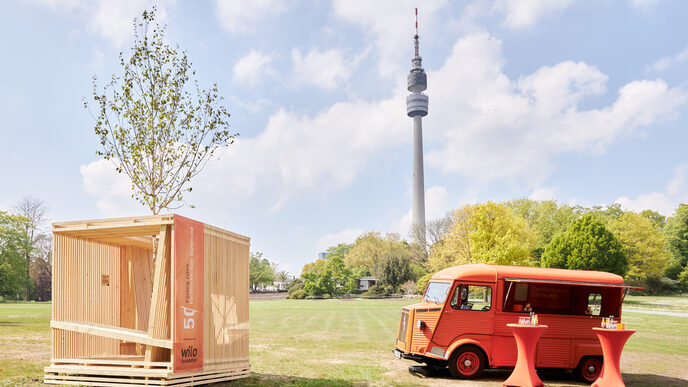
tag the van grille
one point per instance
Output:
(403, 326)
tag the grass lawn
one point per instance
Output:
(338, 342)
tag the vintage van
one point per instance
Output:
(461, 321)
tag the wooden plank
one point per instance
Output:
(100, 380)
(180, 381)
(121, 360)
(109, 222)
(159, 317)
(139, 241)
(112, 370)
(112, 333)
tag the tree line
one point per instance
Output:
(25, 252)
(646, 248)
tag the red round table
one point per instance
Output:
(524, 374)
(612, 341)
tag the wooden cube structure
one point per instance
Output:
(124, 315)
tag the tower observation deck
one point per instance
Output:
(417, 107)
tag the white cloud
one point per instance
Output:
(348, 235)
(113, 20)
(237, 16)
(543, 193)
(296, 153)
(665, 202)
(524, 13)
(111, 189)
(670, 61)
(494, 128)
(326, 69)
(253, 67)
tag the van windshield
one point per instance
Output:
(437, 292)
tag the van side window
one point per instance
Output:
(594, 304)
(472, 297)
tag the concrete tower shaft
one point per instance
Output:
(417, 107)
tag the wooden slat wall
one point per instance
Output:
(226, 318)
(135, 292)
(78, 295)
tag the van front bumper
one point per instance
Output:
(402, 355)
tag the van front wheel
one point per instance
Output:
(589, 369)
(467, 362)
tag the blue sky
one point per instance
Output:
(579, 101)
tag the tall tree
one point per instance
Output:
(261, 271)
(586, 245)
(372, 248)
(149, 123)
(643, 244)
(35, 213)
(545, 217)
(395, 271)
(676, 239)
(657, 219)
(14, 246)
(485, 233)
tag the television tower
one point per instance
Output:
(417, 107)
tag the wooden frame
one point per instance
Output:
(120, 317)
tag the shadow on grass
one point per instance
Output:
(282, 380)
(637, 380)
(549, 376)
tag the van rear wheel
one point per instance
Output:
(467, 362)
(589, 369)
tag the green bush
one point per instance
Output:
(298, 294)
(296, 287)
(423, 282)
(380, 290)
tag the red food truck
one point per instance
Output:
(461, 321)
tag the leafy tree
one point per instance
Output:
(395, 271)
(657, 219)
(340, 250)
(455, 248)
(15, 244)
(545, 217)
(318, 284)
(328, 276)
(586, 245)
(643, 244)
(149, 123)
(261, 272)
(422, 283)
(605, 214)
(676, 239)
(281, 275)
(371, 249)
(484, 233)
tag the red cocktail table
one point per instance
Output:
(613, 341)
(524, 374)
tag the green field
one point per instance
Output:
(347, 342)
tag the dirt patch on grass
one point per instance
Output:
(25, 351)
(660, 368)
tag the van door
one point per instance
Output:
(468, 313)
